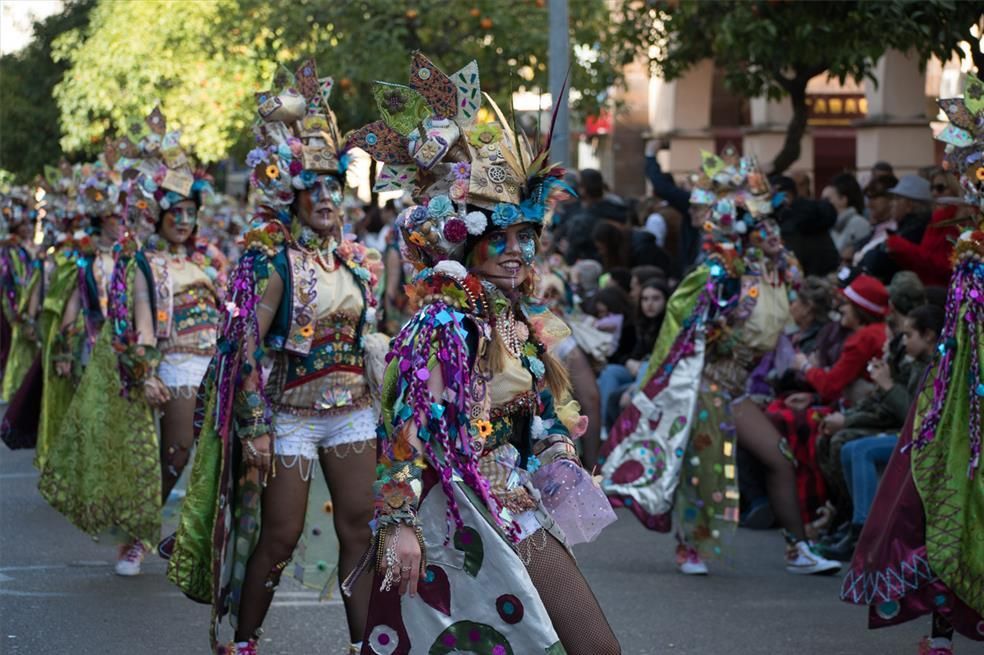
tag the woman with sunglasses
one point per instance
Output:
(287, 393)
(136, 400)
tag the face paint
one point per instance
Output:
(326, 188)
(527, 245)
(496, 245)
(184, 215)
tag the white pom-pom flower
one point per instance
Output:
(451, 268)
(476, 223)
(297, 183)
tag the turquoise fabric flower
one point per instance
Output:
(505, 214)
(439, 207)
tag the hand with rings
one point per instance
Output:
(256, 452)
(402, 560)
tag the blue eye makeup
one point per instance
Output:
(326, 187)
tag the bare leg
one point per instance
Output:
(570, 603)
(759, 437)
(177, 438)
(350, 471)
(283, 509)
(585, 387)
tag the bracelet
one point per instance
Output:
(252, 417)
(140, 362)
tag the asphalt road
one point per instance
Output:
(59, 595)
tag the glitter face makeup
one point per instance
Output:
(527, 245)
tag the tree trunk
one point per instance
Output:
(797, 125)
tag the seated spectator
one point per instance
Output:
(851, 228)
(882, 169)
(613, 313)
(810, 310)
(911, 200)
(869, 432)
(930, 257)
(585, 277)
(864, 316)
(616, 379)
(581, 216)
(622, 245)
(805, 225)
(641, 275)
(879, 214)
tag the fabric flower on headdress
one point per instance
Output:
(440, 207)
(505, 214)
(476, 222)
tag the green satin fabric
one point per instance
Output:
(23, 348)
(103, 468)
(953, 502)
(56, 391)
(678, 309)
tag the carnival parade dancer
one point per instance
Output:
(920, 550)
(465, 557)
(147, 362)
(674, 447)
(78, 273)
(304, 299)
(18, 261)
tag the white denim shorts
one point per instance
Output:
(183, 370)
(303, 435)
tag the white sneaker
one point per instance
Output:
(801, 559)
(130, 557)
(689, 562)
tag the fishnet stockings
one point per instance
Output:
(177, 438)
(760, 438)
(284, 504)
(570, 603)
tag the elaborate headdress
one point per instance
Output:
(297, 139)
(156, 172)
(462, 173)
(17, 205)
(964, 139)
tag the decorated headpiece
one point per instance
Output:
(735, 189)
(964, 139)
(16, 205)
(465, 175)
(156, 173)
(297, 139)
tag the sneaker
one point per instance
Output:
(689, 561)
(130, 557)
(801, 559)
(936, 646)
(239, 648)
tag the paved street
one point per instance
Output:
(58, 594)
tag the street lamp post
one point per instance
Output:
(559, 63)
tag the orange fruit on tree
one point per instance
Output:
(486, 23)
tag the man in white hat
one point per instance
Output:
(911, 207)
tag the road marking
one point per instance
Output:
(15, 476)
(35, 594)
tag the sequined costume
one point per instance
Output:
(315, 349)
(98, 492)
(920, 551)
(458, 462)
(19, 275)
(672, 451)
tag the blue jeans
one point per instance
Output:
(861, 460)
(614, 379)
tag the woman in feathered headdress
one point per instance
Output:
(672, 452)
(136, 399)
(465, 555)
(288, 391)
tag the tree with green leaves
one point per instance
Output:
(774, 47)
(202, 61)
(29, 120)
